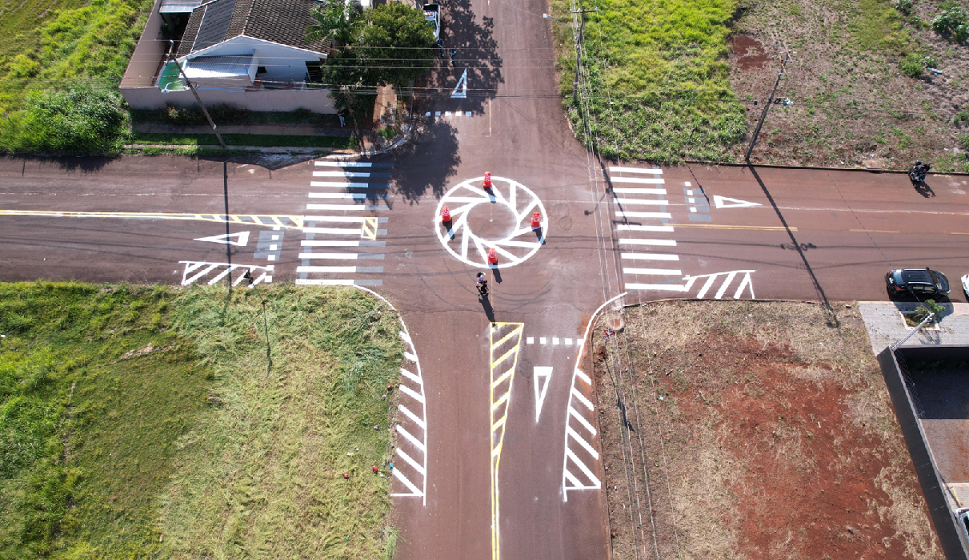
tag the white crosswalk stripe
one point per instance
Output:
(639, 241)
(411, 450)
(345, 200)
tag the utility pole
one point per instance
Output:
(577, 23)
(195, 93)
(770, 100)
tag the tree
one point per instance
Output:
(390, 44)
(335, 21)
(396, 43)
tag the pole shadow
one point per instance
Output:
(832, 318)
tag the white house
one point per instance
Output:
(249, 53)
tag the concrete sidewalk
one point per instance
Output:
(885, 325)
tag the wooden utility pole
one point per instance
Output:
(195, 93)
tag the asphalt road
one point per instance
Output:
(501, 441)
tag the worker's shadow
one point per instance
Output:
(489, 311)
(925, 190)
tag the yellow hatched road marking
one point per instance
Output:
(498, 421)
(369, 228)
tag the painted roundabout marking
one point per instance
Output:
(516, 247)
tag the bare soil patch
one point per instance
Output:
(753, 430)
(852, 105)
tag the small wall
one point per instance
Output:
(316, 100)
(148, 53)
(947, 528)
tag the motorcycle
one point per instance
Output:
(917, 173)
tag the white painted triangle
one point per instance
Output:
(543, 374)
(724, 202)
(462, 85)
(242, 239)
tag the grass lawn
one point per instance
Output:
(154, 423)
(658, 78)
(163, 138)
(45, 45)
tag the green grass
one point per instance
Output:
(51, 45)
(109, 453)
(658, 79)
(164, 138)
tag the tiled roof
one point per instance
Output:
(278, 21)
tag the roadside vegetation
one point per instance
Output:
(390, 44)
(65, 49)
(658, 83)
(753, 430)
(875, 83)
(296, 141)
(153, 423)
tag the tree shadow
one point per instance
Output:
(475, 49)
(80, 164)
(415, 173)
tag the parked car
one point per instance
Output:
(965, 285)
(918, 282)
(432, 15)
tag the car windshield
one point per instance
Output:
(897, 277)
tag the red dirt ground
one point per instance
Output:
(808, 458)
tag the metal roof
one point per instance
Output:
(178, 6)
(217, 66)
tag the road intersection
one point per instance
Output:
(497, 436)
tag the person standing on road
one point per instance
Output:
(482, 285)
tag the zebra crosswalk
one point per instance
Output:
(645, 237)
(340, 245)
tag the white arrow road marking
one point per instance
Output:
(724, 202)
(242, 239)
(543, 374)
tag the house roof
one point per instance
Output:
(277, 21)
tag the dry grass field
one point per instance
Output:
(753, 430)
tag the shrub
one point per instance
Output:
(952, 21)
(913, 65)
(80, 121)
(903, 6)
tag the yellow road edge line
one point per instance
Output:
(874, 230)
(188, 216)
(958, 233)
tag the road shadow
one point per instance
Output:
(831, 316)
(86, 164)
(426, 162)
(925, 190)
(486, 305)
(475, 50)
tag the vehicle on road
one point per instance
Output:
(432, 15)
(918, 282)
(965, 285)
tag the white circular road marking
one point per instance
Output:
(520, 242)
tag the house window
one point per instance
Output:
(261, 70)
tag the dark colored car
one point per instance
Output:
(918, 282)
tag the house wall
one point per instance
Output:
(283, 63)
(316, 100)
(148, 53)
